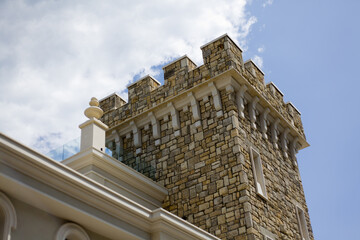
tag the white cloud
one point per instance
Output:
(261, 49)
(258, 61)
(56, 55)
(267, 3)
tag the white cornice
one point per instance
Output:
(96, 122)
(60, 179)
(92, 156)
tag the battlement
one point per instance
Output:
(222, 59)
(177, 68)
(251, 67)
(112, 102)
(139, 91)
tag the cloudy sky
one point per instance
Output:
(56, 55)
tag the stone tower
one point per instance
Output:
(220, 140)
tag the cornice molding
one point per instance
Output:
(67, 181)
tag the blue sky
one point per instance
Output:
(56, 55)
(312, 54)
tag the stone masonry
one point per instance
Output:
(220, 140)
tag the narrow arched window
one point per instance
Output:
(7, 217)
(71, 231)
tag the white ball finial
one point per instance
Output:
(94, 111)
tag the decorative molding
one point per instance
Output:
(252, 111)
(293, 149)
(240, 99)
(175, 120)
(168, 223)
(216, 96)
(72, 183)
(304, 233)
(263, 122)
(10, 219)
(229, 89)
(194, 106)
(71, 231)
(267, 234)
(136, 134)
(283, 139)
(119, 143)
(119, 170)
(274, 132)
(258, 173)
(155, 125)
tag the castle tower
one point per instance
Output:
(220, 140)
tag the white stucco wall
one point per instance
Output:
(36, 224)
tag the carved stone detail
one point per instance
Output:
(284, 140)
(216, 96)
(294, 149)
(136, 134)
(194, 106)
(252, 111)
(274, 133)
(174, 116)
(263, 122)
(240, 100)
(155, 125)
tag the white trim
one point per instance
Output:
(117, 169)
(110, 214)
(268, 238)
(96, 122)
(259, 179)
(304, 232)
(72, 230)
(9, 216)
(267, 234)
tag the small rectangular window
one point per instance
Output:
(302, 223)
(258, 173)
(267, 238)
(267, 235)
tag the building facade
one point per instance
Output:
(211, 154)
(221, 141)
(88, 196)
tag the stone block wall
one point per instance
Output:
(195, 133)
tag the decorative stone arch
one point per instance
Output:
(7, 210)
(71, 231)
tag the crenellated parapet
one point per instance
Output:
(222, 59)
(112, 102)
